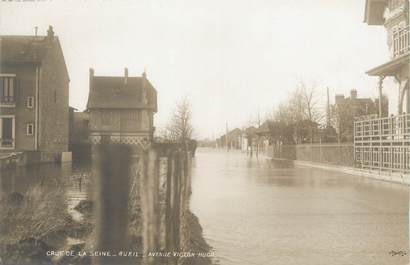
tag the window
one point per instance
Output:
(7, 89)
(30, 102)
(7, 131)
(30, 129)
(393, 4)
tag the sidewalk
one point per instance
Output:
(383, 176)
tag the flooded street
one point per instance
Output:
(261, 212)
(72, 179)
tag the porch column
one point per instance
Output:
(402, 93)
(381, 78)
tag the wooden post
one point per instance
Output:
(171, 194)
(176, 200)
(168, 203)
(381, 78)
(111, 170)
(149, 188)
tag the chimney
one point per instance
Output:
(91, 76)
(144, 89)
(50, 33)
(353, 94)
(125, 75)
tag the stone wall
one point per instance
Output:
(53, 101)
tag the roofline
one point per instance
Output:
(62, 54)
(112, 108)
(22, 61)
(23, 36)
(376, 71)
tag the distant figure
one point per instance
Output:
(192, 147)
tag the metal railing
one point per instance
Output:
(7, 99)
(401, 42)
(383, 144)
(6, 142)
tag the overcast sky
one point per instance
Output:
(232, 59)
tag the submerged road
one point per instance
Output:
(262, 212)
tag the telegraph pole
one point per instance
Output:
(328, 108)
(226, 138)
(257, 137)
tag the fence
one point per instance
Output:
(159, 182)
(383, 144)
(335, 154)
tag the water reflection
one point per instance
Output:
(271, 212)
(73, 179)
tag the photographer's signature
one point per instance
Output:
(398, 253)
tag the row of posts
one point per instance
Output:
(163, 177)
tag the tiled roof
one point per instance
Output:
(107, 92)
(23, 48)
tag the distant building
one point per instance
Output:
(79, 135)
(235, 138)
(34, 88)
(347, 109)
(360, 106)
(121, 109)
(232, 141)
(249, 139)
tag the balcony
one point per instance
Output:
(7, 101)
(6, 143)
(401, 43)
(383, 144)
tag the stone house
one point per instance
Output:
(34, 89)
(121, 109)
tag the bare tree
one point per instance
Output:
(312, 111)
(311, 100)
(180, 128)
(302, 111)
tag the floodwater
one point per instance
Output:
(72, 179)
(262, 212)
